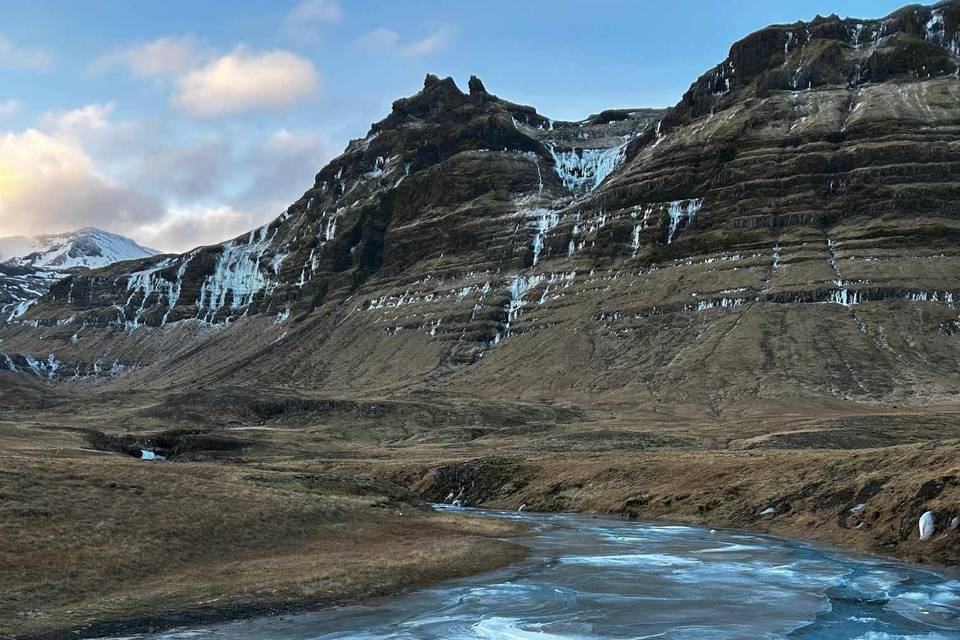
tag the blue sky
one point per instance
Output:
(182, 123)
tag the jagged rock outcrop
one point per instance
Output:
(788, 230)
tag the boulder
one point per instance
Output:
(927, 525)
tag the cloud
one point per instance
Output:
(50, 184)
(185, 171)
(379, 40)
(183, 228)
(17, 57)
(433, 42)
(242, 188)
(164, 187)
(243, 81)
(385, 41)
(94, 129)
(8, 108)
(306, 19)
(280, 169)
(81, 123)
(272, 174)
(163, 57)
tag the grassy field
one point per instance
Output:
(102, 542)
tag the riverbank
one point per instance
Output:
(94, 544)
(601, 577)
(867, 501)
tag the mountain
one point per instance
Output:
(740, 311)
(29, 266)
(88, 247)
(787, 228)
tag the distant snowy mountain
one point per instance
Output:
(30, 266)
(88, 248)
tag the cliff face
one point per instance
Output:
(788, 230)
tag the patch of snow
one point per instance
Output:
(20, 309)
(544, 221)
(43, 368)
(87, 247)
(681, 211)
(935, 32)
(586, 169)
(519, 287)
(237, 273)
(927, 525)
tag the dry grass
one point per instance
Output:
(91, 538)
(866, 500)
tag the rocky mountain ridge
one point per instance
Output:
(788, 228)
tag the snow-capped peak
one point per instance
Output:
(87, 247)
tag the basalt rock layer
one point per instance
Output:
(787, 231)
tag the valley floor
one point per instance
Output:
(275, 501)
(94, 544)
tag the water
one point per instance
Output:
(590, 578)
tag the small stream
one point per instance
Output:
(596, 578)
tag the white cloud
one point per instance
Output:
(307, 14)
(18, 57)
(241, 81)
(81, 123)
(385, 41)
(8, 108)
(94, 129)
(307, 19)
(433, 42)
(162, 57)
(380, 40)
(148, 181)
(183, 228)
(48, 184)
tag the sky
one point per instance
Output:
(182, 123)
